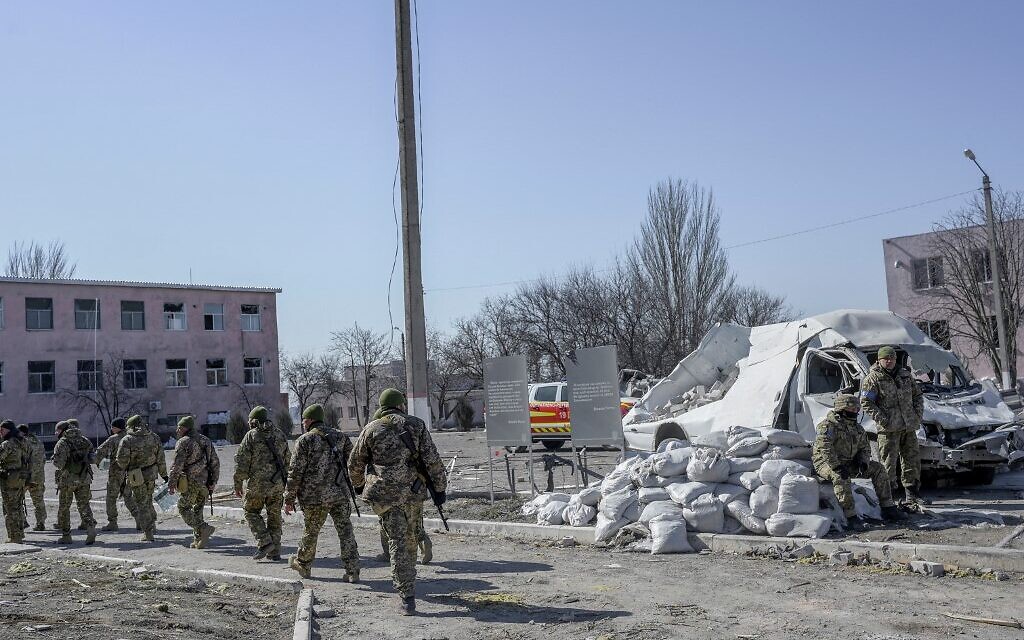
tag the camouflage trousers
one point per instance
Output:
(844, 487)
(37, 500)
(265, 531)
(421, 532)
(14, 511)
(81, 493)
(399, 524)
(190, 505)
(315, 515)
(899, 450)
(145, 512)
(116, 488)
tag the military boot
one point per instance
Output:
(204, 535)
(407, 606)
(40, 526)
(892, 513)
(427, 547)
(263, 551)
(110, 526)
(90, 536)
(856, 523)
(147, 536)
(914, 496)
(65, 538)
(293, 563)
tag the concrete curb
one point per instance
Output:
(304, 616)
(16, 549)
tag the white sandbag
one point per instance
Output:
(738, 465)
(632, 512)
(648, 495)
(784, 438)
(614, 505)
(798, 525)
(672, 462)
(672, 443)
(748, 447)
(641, 474)
(865, 500)
(607, 528)
(656, 509)
(737, 434)
(772, 471)
(534, 506)
(749, 480)
(778, 452)
(764, 501)
(590, 496)
(618, 478)
(578, 515)
(726, 493)
(686, 492)
(798, 494)
(551, 513)
(665, 481)
(668, 535)
(705, 514)
(742, 512)
(707, 465)
(733, 526)
(714, 439)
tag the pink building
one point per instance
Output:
(915, 279)
(98, 349)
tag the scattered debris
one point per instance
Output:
(930, 569)
(323, 611)
(1015, 624)
(841, 559)
(21, 568)
(163, 607)
(1005, 542)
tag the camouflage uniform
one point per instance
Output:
(15, 473)
(38, 485)
(116, 476)
(841, 452)
(394, 489)
(316, 479)
(895, 402)
(72, 459)
(256, 465)
(195, 462)
(141, 449)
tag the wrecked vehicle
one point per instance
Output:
(786, 376)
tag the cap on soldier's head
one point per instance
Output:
(72, 422)
(117, 423)
(60, 426)
(7, 424)
(187, 422)
(391, 399)
(134, 421)
(314, 412)
(846, 401)
(23, 428)
(259, 414)
(886, 352)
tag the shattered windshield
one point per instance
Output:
(951, 379)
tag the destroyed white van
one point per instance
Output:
(786, 376)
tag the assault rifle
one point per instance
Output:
(339, 457)
(278, 463)
(424, 476)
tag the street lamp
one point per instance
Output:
(997, 294)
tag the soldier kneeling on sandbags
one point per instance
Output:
(841, 452)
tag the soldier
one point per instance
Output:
(38, 485)
(894, 401)
(116, 486)
(15, 474)
(399, 449)
(141, 456)
(261, 463)
(318, 479)
(72, 458)
(842, 452)
(194, 476)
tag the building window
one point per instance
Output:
(38, 314)
(87, 314)
(213, 317)
(937, 330)
(177, 373)
(90, 375)
(928, 273)
(134, 374)
(250, 318)
(353, 412)
(253, 370)
(133, 315)
(41, 377)
(982, 265)
(174, 316)
(216, 372)
(43, 428)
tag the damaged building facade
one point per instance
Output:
(69, 347)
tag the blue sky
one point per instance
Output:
(254, 142)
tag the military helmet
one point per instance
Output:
(187, 422)
(391, 399)
(314, 412)
(23, 428)
(9, 425)
(847, 401)
(134, 421)
(259, 414)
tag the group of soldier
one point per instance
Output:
(891, 397)
(391, 465)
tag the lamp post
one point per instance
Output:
(997, 294)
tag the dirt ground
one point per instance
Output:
(60, 597)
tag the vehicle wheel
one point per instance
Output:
(552, 445)
(977, 476)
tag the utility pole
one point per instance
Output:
(415, 326)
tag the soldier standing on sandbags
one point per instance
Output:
(841, 452)
(72, 457)
(194, 475)
(141, 455)
(15, 474)
(261, 463)
(894, 401)
(116, 486)
(38, 485)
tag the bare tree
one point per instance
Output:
(102, 391)
(961, 243)
(34, 260)
(753, 306)
(364, 355)
(311, 379)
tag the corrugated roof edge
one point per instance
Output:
(138, 285)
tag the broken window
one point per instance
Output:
(41, 377)
(174, 316)
(177, 373)
(213, 317)
(982, 265)
(38, 314)
(133, 316)
(823, 375)
(134, 372)
(252, 370)
(928, 273)
(87, 314)
(353, 412)
(251, 317)
(937, 330)
(216, 372)
(90, 375)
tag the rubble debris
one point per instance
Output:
(930, 569)
(323, 611)
(840, 558)
(1014, 624)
